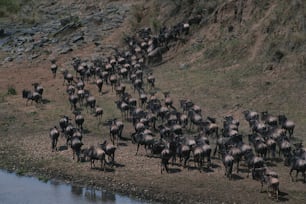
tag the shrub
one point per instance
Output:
(278, 55)
(11, 90)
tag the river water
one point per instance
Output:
(16, 189)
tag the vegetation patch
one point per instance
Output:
(11, 90)
(21, 172)
(43, 178)
(9, 6)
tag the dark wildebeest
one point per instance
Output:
(54, 134)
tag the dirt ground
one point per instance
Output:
(25, 146)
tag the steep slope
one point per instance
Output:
(244, 55)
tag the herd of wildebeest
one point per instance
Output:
(177, 135)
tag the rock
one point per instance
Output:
(184, 66)
(8, 59)
(77, 38)
(65, 50)
(2, 33)
(34, 56)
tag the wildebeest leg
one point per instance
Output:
(78, 154)
(261, 182)
(113, 159)
(161, 167)
(73, 152)
(166, 166)
(276, 193)
(111, 137)
(91, 163)
(216, 149)
(54, 143)
(186, 160)
(291, 174)
(230, 171)
(137, 148)
(173, 160)
(102, 161)
(268, 191)
(52, 146)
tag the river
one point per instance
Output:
(15, 189)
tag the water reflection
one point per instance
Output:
(15, 189)
(90, 194)
(100, 195)
(108, 196)
(77, 190)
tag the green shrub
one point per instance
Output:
(43, 179)
(11, 90)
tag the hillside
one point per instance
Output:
(238, 55)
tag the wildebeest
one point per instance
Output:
(79, 119)
(144, 139)
(297, 164)
(53, 70)
(96, 153)
(76, 145)
(54, 134)
(286, 124)
(165, 156)
(271, 180)
(33, 96)
(228, 161)
(109, 150)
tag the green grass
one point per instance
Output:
(43, 178)
(21, 172)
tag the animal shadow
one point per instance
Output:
(101, 169)
(282, 196)
(104, 92)
(174, 170)
(207, 169)
(118, 165)
(236, 177)
(109, 169)
(125, 138)
(63, 148)
(214, 166)
(45, 101)
(123, 144)
(244, 170)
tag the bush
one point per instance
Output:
(278, 55)
(11, 90)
